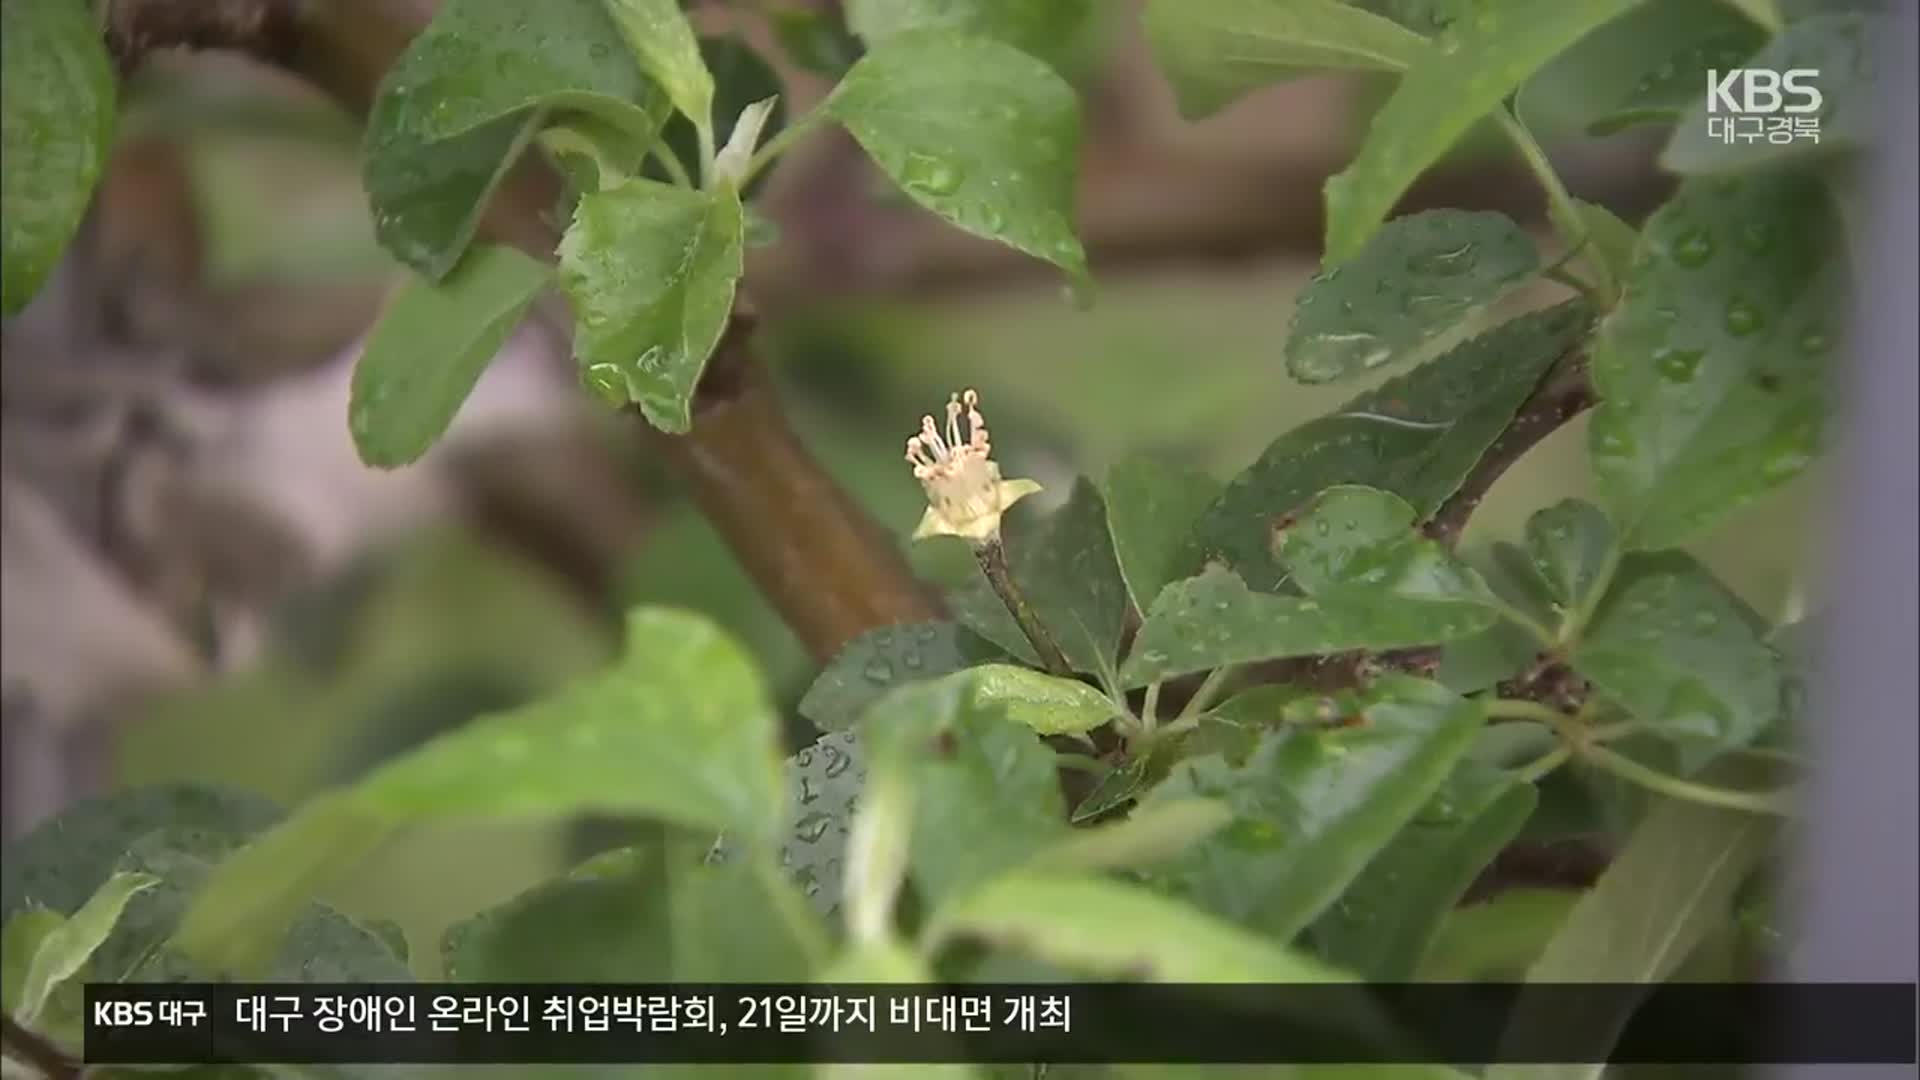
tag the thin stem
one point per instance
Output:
(707, 151)
(779, 144)
(1203, 697)
(1577, 619)
(1521, 709)
(670, 161)
(1538, 769)
(1560, 203)
(1756, 802)
(1150, 708)
(992, 557)
(565, 140)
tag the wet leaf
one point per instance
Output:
(823, 785)
(1042, 703)
(1682, 654)
(605, 920)
(1151, 507)
(1499, 939)
(1417, 435)
(67, 858)
(1214, 620)
(454, 111)
(663, 45)
(986, 794)
(1048, 30)
(1646, 67)
(64, 950)
(1420, 276)
(1140, 839)
(1312, 807)
(743, 921)
(1383, 923)
(430, 347)
(1712, 374)
(1610, 241)
(1467, 74)
(651, 271)
(57, 113)
(976, 131)
(1112, 929)
(741, 77)
(1673, 882)
(680, 730)
(1066, 567)
(1216, 51)
(1841, 48)
(1571, 545)
(879, 660)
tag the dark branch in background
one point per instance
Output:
(821, 561)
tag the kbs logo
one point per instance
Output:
(1750, 104)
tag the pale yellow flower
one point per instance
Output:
(965, 495)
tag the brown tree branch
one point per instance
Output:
(825, 565)
(30, 1047)
(1563, 394)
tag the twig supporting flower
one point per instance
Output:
(966, 498)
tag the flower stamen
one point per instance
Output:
(965, 493)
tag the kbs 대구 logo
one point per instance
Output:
(1751, 104)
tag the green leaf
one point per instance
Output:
(1420, 276)
(56, 128)
(1610, 241)
(1499, 939)
(1682, 654)
(63, 951)
(1841, 48)
(1149, 836)
(1216, 51)
(19, 944)
(680, 730)
(741, 78)
(1356, 540)
(456, 108)
(1477, 663)
(1067, 569)
(1646, 67)
(1674, 880)
(881, 659)
(1313, 806)
(663, 44)
(1042, 703)
(742, 921)
(1712, 374)
(976, 131)
(604, 921)
(1417, 435)
(1048, 30)
(1213, 620)
(1475, 66)
(986, 796)
(1383, 923)
(1152, 504)
(1572, 547)
(1113, 929)
(1116, 788)
(877, 846)
(823, 783)
(887, 961)
(651, 270)
(815, 40)
(319, 944)
(429, 348)
(66, 859)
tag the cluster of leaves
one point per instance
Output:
(1284, 832)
